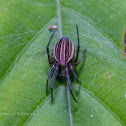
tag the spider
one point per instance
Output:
(64, 60)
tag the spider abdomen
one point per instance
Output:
(63, 50)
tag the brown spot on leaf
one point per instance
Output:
(107, 74)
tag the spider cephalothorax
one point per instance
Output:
(64, 58)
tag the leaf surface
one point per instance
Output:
(24, 65)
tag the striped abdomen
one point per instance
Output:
(63, 50)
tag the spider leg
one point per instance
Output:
(81, 58)
(53, 80)
(74, 74)
(69, 83)
(47, 48)
(78, 46)
(49, 75)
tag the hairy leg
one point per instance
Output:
(81, 58)
(53, 80)
(78, 46)
(74, 74)
(47, 48)
(49, 75)
(69, 83)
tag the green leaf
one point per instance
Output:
(24, 64)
